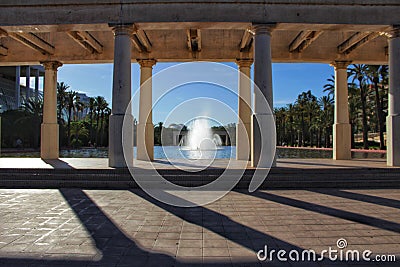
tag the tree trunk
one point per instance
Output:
(353, 142)
(101, 129)
(379, 113)
(298, 138)
(91, 128)
(303, 130)
(320, 137)
(69, 127)
(364, 117)
(97, 130)
(311, 131)
(291, 137)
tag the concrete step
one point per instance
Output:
(281, 178)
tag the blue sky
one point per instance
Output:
(199, 98)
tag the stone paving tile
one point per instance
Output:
(72, 227)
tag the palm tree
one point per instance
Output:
(104, 119)
(35, 110)
(61, 99)
(373, 72)
(312, 109)
(358, 72)
(92, 108)
(326, 104)
(330, 86)
(101, 109)
(384, 73)
(300, 103)
(305, 106)
(291, 113)
(72, 100)
(78, 129)
(354, 110)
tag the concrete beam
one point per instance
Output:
(87, 41)
(303, 40)
(357, 40)
(33, 41)
(50, 12)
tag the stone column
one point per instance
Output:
(145, 137)
(49, 146)
(393, 119)
(261, 119)
(341, 127)
(121, 97)
(243, 129)
(36, 86)
(28, 82)
(17, 87)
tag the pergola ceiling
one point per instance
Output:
(169, 42)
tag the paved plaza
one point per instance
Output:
(74, 227)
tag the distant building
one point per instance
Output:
(84, 99)
(12, 93)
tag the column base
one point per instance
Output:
(117, 157)
(263, 141)
(243, 134)
(393, 140)
(49, 145)
(145, 142)
(341, 141)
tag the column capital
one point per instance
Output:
(51, 65)
(146, 63)
(122, 29)
(244, 62)
(263, 28)
(340, 64)
(394, 32)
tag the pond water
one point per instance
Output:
(174, 152)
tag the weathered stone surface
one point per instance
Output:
(128, 228)
(56, 25)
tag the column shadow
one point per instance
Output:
(114, 246)
(117, 249)
(381, 201)
(334, 212)
(257, 239)
(58, 164)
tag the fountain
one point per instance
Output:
(200, 137)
